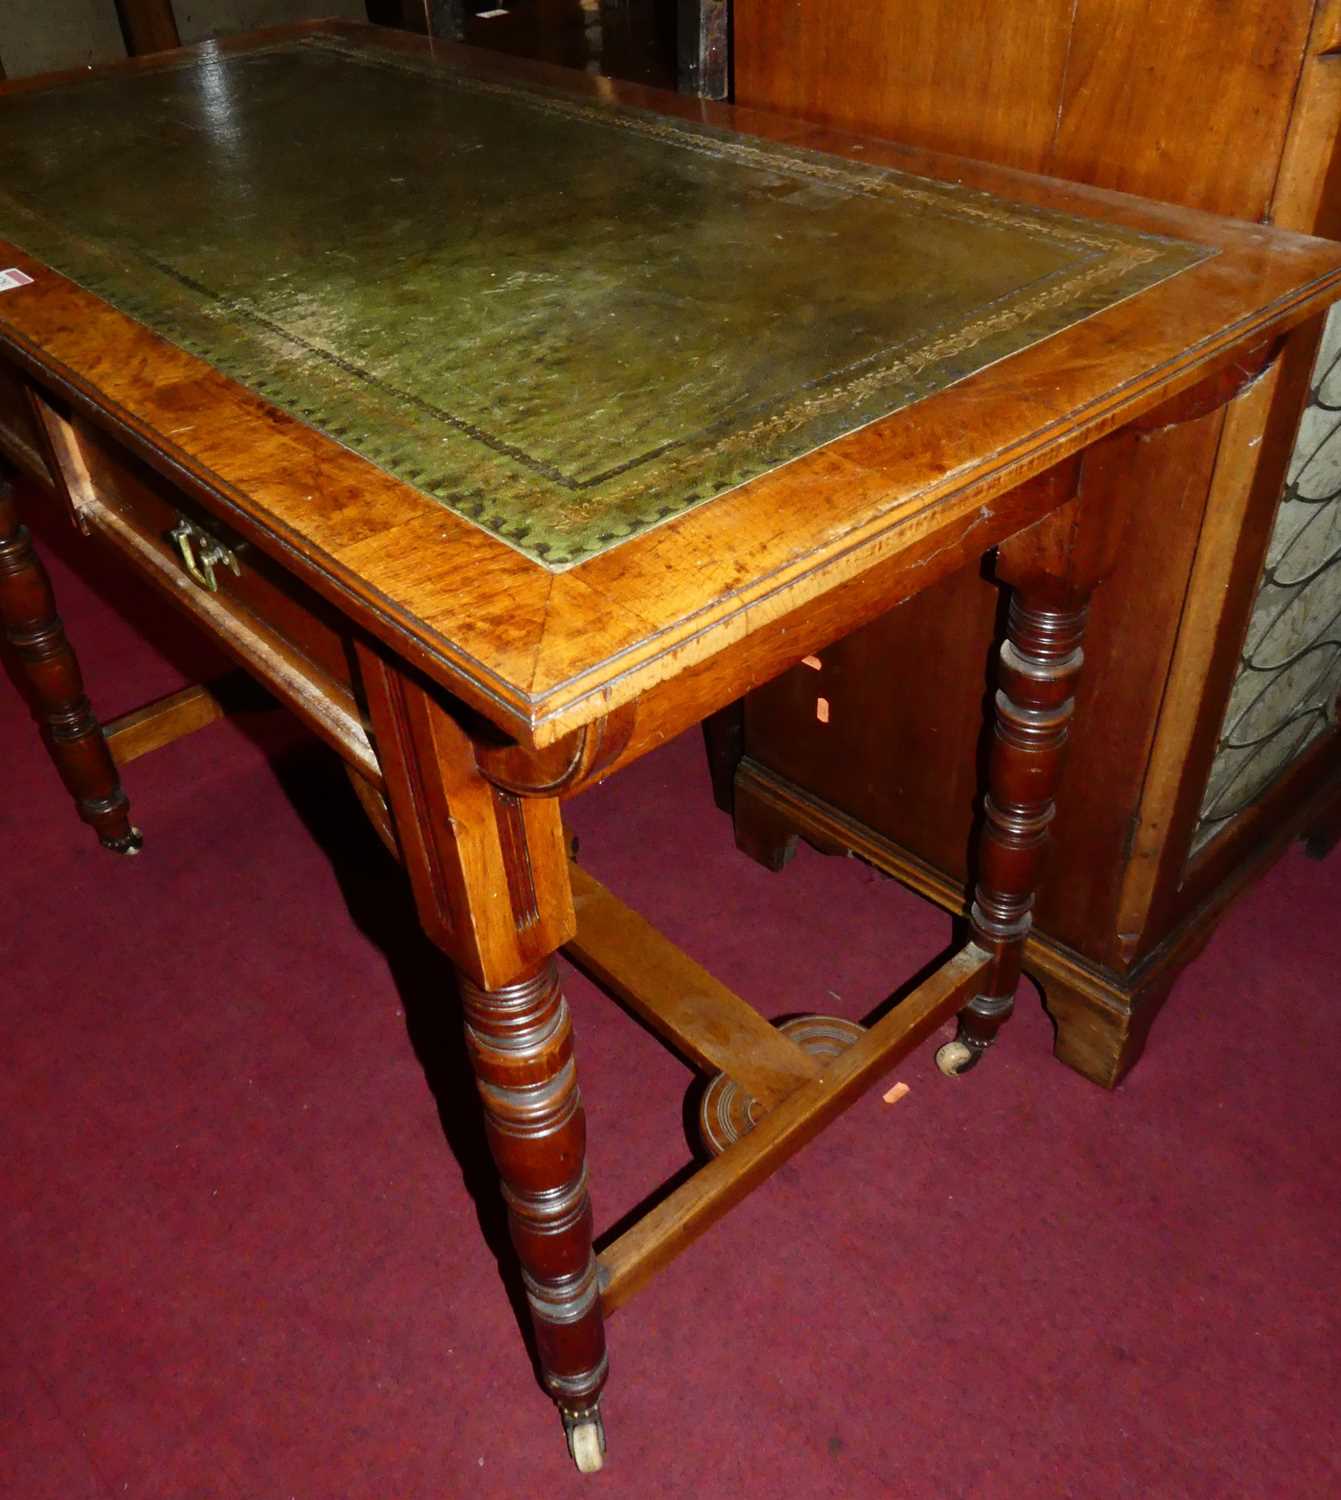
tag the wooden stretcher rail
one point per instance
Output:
(634, 1258)
(703, 1020)
(161, 722)
(169, 719)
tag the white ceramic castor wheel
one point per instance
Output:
(954, 1058)
(586, 1442)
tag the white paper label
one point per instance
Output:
(12, 278)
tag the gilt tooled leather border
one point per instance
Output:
(555, 516)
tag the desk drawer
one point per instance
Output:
(156, 508)
(287, 635)
(19, 441)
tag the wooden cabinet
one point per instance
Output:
(1206, 735)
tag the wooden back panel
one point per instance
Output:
(966, 78)
(1187, 102)
(1226, 105)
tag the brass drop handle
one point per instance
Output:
(201, 553)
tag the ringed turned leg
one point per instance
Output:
(521, 1047)
(488, 864)
(72, 734)
(1039, 663)
(1052, 568)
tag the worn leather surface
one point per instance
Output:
(564, 319)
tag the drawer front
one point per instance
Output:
(285, 634)
(243, 578)
(19, 441)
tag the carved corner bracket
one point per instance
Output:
(561, 769)
(1228, 383)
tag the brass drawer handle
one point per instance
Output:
(201, 553)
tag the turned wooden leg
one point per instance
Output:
(73, 736)
(478, 830)
(1040, 661)
(1053, 568)
(521, 1046)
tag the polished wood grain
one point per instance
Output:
(1305, 194)
(489, 874)
(1230, 67)
(1053, 569)
(34, 634)
(252, 583)
(1229, 106)
(1241, 506)
(695, 1013)
(630, 1262)
(571, 646)
(521, 1047)
(488, 868)
(19, 440)
(146, 729)
(1129, 94)
(327, 706)
(469, 689)
(999, 71)
(148, 25)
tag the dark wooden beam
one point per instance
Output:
(148, 25)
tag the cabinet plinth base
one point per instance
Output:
(1102, 1019)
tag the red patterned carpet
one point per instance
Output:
(243, 1188)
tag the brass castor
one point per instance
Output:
(585, 1432)
(130, 843)
(728, 1112)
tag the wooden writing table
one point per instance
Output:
(505, 423)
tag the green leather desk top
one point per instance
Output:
(563, 319)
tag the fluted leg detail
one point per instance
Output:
(521, 1047)
(73, 735)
